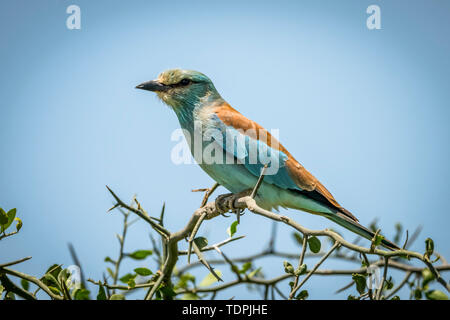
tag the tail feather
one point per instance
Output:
(359, 229)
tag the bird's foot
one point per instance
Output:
(225, 202)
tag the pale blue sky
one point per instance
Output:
(365, 111)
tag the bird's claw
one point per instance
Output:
(224, 202)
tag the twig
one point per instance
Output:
(414, 236)
(212, 247)
(345, 287)
(380, 290)
(300, 262)
(146, 218)
(12, 287)
(205, 262)
(294, 290)
(14, 262)
(5, 235)
(193, 233)
(121, 250)
(241, 201)
(400, 285)
(32, 279)
(121, 287)
(258, 183)
(366, 260)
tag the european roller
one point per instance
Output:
(231, 140)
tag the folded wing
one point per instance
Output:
(248, 135)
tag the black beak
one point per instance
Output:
(152, 85)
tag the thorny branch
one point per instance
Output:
(245, 200)
(237, 203)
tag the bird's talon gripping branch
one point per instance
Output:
(222, 202)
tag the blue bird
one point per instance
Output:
(238, 149)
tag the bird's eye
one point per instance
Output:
(185, 82)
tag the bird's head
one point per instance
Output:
(181, 88)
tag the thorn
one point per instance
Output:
(258, 183)
(113, 207)
(189, 252)
(406, 240)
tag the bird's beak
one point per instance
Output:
(152, 85)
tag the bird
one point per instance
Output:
(200, 109)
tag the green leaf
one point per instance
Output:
(232, 229)
(429, 247)
(126, 278)
(3, 218)
(301, 270)
(302, 295)
(25, 284)
(101, 295)
(291, 284)
(360, 282)
(50, 277)
(436, 295)
(417, 294)
(110, 272)
(246, 266)
(184, 279)
(427, 276)
(117, 297)
(168, 292)
(143, 271)
(54, 270)
(288, 268)
(18, 224)
(350, 297)
(10, 216)
(54, 290)
(398, 232)
(10, 296)
(389, 284)
(298, 238)
(131, 283)
(314, 244)
(81, 294)
(201, 242)
(378, 240)
(50, 281)
(63, 276)
(140, 254)
(108, 259)
(210, 279)
(395, 298)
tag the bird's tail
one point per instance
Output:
(355, 227)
